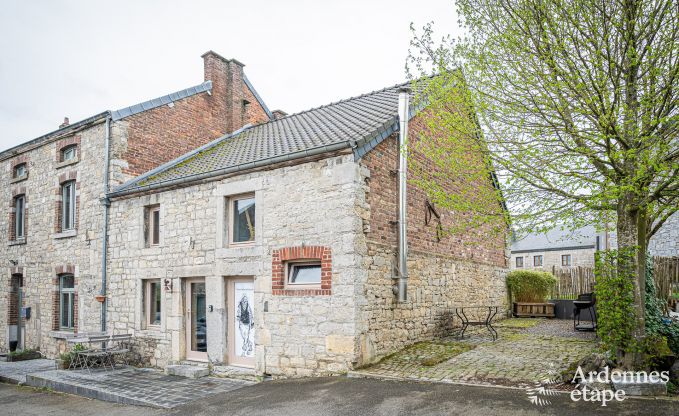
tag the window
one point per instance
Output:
(69, 153)
(304, 273)
(19, 216)
(66, 302)
(519, 262)
(20, 170)
(537, 261)
(243, 219)
(68, 206)
(151, 299)
(152, 225)
(566, 260)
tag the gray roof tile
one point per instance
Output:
(360, 121)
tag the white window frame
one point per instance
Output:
(68, 215)
(70, 308)
(564, 257)
(67, 150)
(516, 262)
(19, 217)
(231, 219)
(541, 261)
(289, 265)
(147, 300)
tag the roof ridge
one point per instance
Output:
(345, 100)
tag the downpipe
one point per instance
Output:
(403, 115)
(104, 232)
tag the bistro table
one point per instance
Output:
(488, 311)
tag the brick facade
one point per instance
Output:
(278, 263)
(164, 133)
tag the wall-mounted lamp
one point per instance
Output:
(168, 285)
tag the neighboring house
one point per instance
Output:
(558, 248)
(274, 248)
(53, 187)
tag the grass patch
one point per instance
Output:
(427, 354)
(518, 323)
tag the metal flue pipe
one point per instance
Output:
(403, 116)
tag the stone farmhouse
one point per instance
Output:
(559, 248)
(272, 249)
(53, 188)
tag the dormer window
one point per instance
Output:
(20, 170)
(69, 153)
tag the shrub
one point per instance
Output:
(530, 285)
(614, 302)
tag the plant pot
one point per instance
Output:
(534, 310)
(100, 298)
(62, 365)
(13, 345)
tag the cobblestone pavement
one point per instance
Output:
(15, 372)
(527, 351)
(135, 386)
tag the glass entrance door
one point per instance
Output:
(196, 323)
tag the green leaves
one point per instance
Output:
(530, 285)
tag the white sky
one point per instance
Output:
(78, 58)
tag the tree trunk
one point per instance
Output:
(631, 231)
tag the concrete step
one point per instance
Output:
(189, 371)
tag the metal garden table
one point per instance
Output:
(487, 321)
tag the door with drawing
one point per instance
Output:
(241, 321)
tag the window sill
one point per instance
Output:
(68, 163)
(19, 178)
(66, 234)
(62, 334)
(17, 242)
(249, 250)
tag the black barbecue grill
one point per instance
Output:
(584, 301)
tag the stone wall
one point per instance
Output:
(665, 243)
(311, 204)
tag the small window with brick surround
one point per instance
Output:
(519, 262)
(566, 260)
(20, 170)
(19, 217)
(68, 206)
(66, 302)
(152, 225)
(241, 218)
(151, 301)
(69, 153)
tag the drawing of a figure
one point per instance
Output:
(245, 324)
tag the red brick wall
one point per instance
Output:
(478, 245)
(164, 133)
(279, 257)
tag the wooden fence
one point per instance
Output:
(573, 281)
(666, 276)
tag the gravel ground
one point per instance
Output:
(559, 328)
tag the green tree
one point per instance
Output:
(577, 112)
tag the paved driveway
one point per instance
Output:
(336, 396)
(527, 352)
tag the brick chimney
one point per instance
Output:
(228, 90)
(65, 123)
